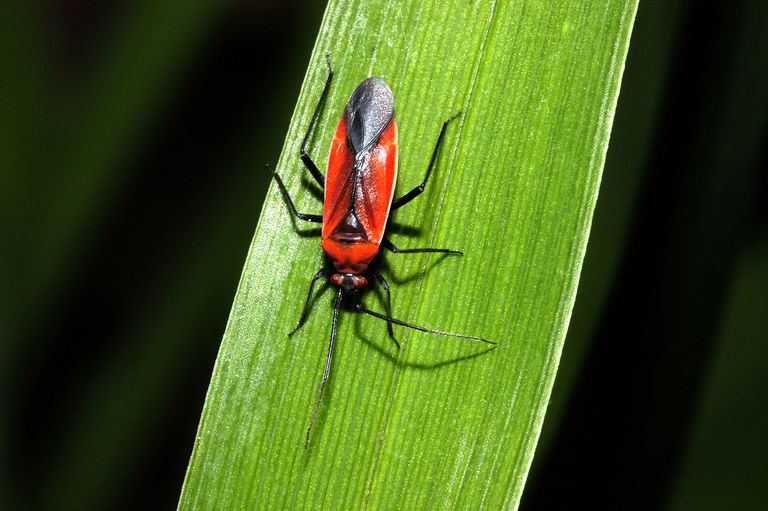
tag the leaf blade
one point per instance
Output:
(524, 64)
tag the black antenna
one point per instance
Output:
(361, 308)
(336, 306)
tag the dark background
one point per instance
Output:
(133, 140)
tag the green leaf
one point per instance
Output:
(443, 422)
(656, 28)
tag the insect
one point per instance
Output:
(359, 191)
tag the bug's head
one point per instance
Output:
(349, 282)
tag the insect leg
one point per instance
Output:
(361, 308)
(305, 158)
(392, 248)
(301, 216)
(408, 197)
(385, 285)
(304, 313)
(336, 306)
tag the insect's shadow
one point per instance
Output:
(392, 352)
(308, 232)
(314, 232)
(389, 352)
(312, 188)
(384, 264)
(384, 346)
(403, 229)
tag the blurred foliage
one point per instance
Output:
(140, 166)
(132, 137)
(724, 462)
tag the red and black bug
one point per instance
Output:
(359, 189)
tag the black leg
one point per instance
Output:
(385, 285)
(305, 312)
(303, 152)
(301, 216)
(336, 306)
(392, 248)
(408, 197)
(361, 308)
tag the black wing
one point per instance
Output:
(369, 111)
